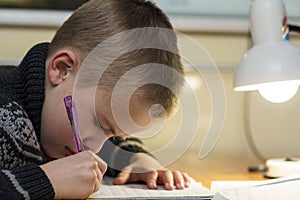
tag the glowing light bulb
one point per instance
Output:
(278, 92)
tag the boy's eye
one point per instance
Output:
(96, 123)
(107, 131)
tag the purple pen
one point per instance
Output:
(72, 115)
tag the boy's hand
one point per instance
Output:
(145, 168)
(76, 176)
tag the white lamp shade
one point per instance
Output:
(272, 65)
(266, 63)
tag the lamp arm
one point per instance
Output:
(248, 131)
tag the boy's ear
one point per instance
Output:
(62, 64)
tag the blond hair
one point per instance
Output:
(97, 20)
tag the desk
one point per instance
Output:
(217, 167)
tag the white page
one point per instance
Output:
(140, 191)
(222, 185)
(275, 189)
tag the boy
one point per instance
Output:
(37, 151)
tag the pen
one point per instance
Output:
(72, 115)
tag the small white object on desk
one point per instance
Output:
(282, 167)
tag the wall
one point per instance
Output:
(274, 127)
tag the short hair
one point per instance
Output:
(97, 20)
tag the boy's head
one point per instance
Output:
(96, 22)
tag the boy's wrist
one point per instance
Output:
(32, 181)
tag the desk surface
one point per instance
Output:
(218, 168)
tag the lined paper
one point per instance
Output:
(140, 191)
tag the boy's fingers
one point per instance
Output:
(151, 179)
(99, 174)
(122, 178)
(101, 164)
(187, 179)
(178, 179)
(97, 181)
(167, 179)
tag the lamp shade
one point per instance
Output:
(268, 63)
(272, 65)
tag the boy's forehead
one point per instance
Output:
(134, 108)
(133, 116)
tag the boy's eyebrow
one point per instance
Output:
(106, 122)
(96, 121)
(114, 129)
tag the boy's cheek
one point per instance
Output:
(95, 142)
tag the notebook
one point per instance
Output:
(140, 191)
(274, 189)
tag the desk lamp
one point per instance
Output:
(272, 65)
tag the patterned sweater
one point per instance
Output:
(21, 102)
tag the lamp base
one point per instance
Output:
(281, 167)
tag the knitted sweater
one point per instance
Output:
(21, 102)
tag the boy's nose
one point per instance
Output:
(94, 144)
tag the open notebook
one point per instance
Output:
(140, 191)
(274, 189)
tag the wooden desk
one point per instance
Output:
(218, 168)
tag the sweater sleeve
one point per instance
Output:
(27, 182)
(117, 152)
(20, 157)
